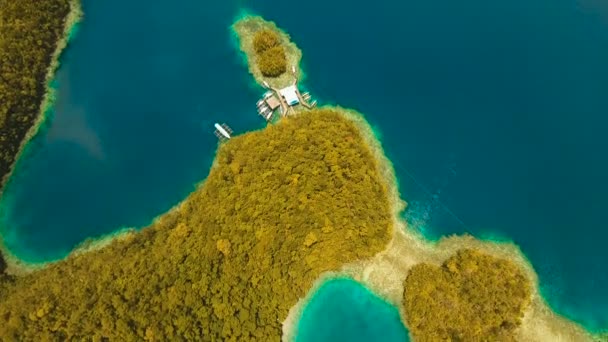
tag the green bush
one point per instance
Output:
(265, 39)
(270, 53)
(280, 207)
(471, 297)
(273, 62)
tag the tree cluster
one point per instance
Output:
(280, 207)
(472, 297)
(29, 31)
(270, 53)
(2, 264)
(5, 281)
(265, 39)
(4, 278)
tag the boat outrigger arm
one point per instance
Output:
(223, 132)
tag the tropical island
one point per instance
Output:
(307, 199)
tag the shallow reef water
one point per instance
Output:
(492, 113)
(344, 310)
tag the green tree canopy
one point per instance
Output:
(273, 62)
(280, 207)
(270, 53)
(471, 297)
(29, 31)
(265, 39)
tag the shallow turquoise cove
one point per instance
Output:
(344, 310)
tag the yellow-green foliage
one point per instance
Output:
(281, 206)
(272, 62)
(2, 264)
(29, 30)
(265, 39)
(471, 297)
(3, 277)
(270, 54)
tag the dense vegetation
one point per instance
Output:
(279, 207)
(29, 30)
(471, 297)
(2, 265)
(5, 279)
(265, 39)
(270, 54)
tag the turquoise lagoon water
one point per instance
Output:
(343, 310)
(494, 114)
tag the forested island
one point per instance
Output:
(274, 213)
(32, 34)
(306, 199)
(269, 51)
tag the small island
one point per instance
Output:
(311, 197)
(269, 51)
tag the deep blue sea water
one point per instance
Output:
(494, 114)
(138, 92)
(344, 310)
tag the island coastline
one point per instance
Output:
(16, 266)
(73, 18)
(244, 29)
(214, 249)
(408, 247)
(384, 273)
